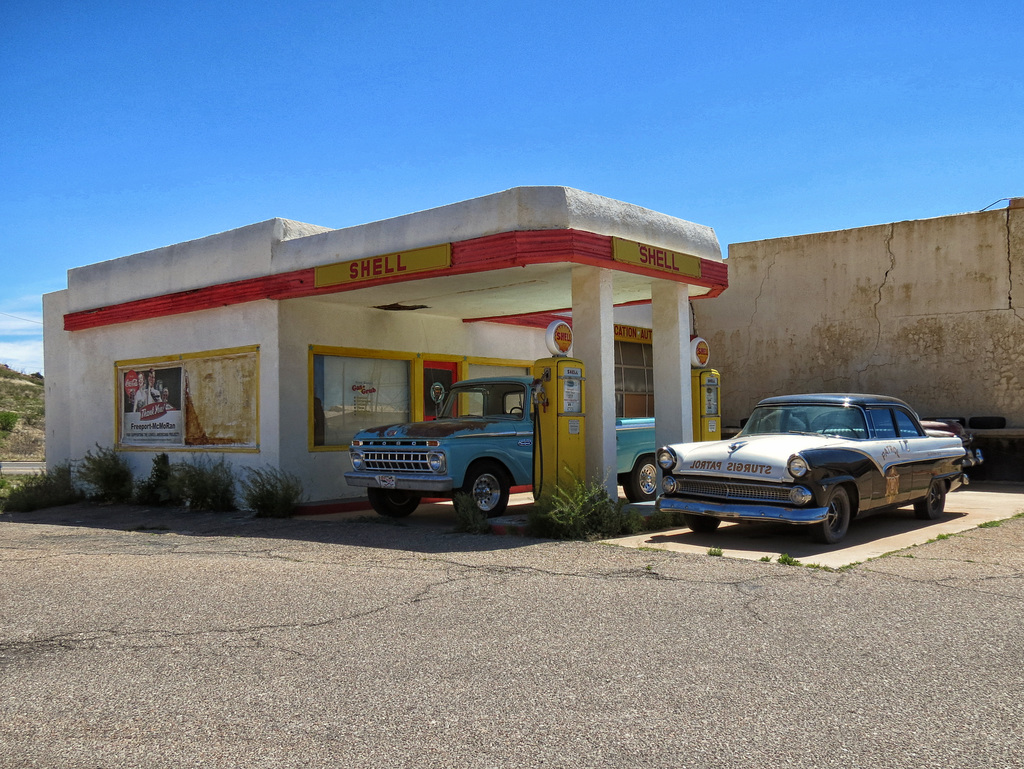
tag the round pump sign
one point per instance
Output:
(559, 337)
(700, 353)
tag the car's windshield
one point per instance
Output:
(841, 421)
(491, 400)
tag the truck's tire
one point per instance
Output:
(641, 483)
(488, 485)
(393, 503)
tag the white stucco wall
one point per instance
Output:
(88, 384)
(931, 311)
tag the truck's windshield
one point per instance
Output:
(490, 400)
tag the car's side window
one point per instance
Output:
(906, 425)
(881, 421)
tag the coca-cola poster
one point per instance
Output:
(152, 406)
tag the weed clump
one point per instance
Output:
(271, 492)
(159, 488)
(469, 518)
(204, 484)
(106, 475)
(8, 420)
(583, 511)
(51, 488)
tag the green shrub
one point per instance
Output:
(51, 488)
(271, 492)
(159, 488)
(106, 475)
(203, 484)
(660, 519)
(8, 419)
(583, 511)
(469, 518)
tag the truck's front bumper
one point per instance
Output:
(742, 512)
(405, 481)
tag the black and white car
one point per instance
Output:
(817, 460)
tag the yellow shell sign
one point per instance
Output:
(655, 258)
(385, 266)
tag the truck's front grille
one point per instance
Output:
(753, 492)
(396, 461)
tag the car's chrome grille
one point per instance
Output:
(396, 461)
(754, 492)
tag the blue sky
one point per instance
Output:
(126, 127)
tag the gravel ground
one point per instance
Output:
(153, 638)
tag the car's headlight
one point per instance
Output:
(797, 466)
(666, 458)
(357, 460)
(668, 484)
(437, 462)
(798, 495)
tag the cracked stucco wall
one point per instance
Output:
(931, 311)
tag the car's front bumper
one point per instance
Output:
(738, 511)
(405, 481)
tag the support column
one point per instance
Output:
(593, 330)
(670, 305)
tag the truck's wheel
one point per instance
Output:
(487, 484)
(641, 484)
(393, 503)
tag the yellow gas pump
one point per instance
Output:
(559, 454)
(707, 421)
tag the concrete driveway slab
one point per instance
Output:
(868, 538)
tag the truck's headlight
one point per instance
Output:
(668, 484)
(437, 462)
(357, 460)
(797, 466)
(800, 496)
(666, 458)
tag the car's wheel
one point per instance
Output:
(393, 503)
(641, 484)
(487, 484)
(701, 523)
(837, 521)
(930, 507)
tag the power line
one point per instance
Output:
(26, 320)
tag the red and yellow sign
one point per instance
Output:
(624, 333)
(658, 259)
(700, 353)
(558, 337)
(385, 266)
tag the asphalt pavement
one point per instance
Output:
(134, 637)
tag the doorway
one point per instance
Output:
(438, 378)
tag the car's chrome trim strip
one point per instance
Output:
(741, 512)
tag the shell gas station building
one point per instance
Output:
(273, 344)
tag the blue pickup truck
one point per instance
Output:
(480, 444)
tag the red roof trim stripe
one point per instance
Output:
(492, 252)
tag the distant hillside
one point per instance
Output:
(21, 394)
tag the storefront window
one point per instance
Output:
(351, 394)
(634, 380)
